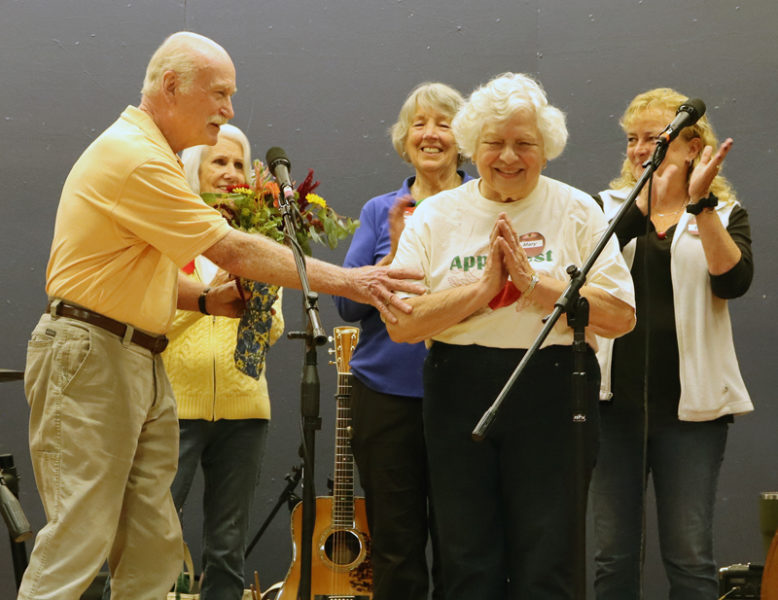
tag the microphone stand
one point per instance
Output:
(18, 526)
(309, 392)
(288, 496)
(577, 309)
(19, 529)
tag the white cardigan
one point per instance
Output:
(711, 384)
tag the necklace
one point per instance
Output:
(672, 213)
(663, 234)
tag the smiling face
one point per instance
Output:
(510, 157)
(222, 166)
(642, 132)
(207, 103)
(430, 145)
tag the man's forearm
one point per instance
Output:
(189, 291)
(261, 259)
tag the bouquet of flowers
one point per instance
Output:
(255, 209)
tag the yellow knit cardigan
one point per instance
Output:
(199, 362)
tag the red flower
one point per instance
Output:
(305, 188)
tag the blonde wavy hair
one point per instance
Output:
(668, 100)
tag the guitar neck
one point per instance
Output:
(343, 478)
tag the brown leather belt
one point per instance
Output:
(154, 343)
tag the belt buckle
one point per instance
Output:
(160, 344)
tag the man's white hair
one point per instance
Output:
(179, 53)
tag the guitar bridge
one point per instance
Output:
(340, 597)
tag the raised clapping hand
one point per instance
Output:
(397, 220)
(721, 251)
(706, 170)
(699, 181)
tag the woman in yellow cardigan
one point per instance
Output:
(223, 414)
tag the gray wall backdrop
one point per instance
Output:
(324, 79)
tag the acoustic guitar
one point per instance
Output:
(769, 589)
(340, 563)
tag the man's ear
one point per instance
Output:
(170, 83)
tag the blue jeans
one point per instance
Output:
(684, 460)
(504, 507)
(230, 452)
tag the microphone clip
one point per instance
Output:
(660, 150)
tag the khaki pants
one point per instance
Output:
(104, 446)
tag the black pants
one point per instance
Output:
(388, 445)
(504, 507)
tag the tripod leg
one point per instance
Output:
(293, 479)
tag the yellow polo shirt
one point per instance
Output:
(127, 220)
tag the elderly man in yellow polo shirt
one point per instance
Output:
(103, 426)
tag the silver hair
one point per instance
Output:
(498, 100)
(436, 96)
(193, 157)
(179, 53)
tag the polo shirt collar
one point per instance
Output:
(144, 122)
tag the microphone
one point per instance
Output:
(279, 166)
(687, 114)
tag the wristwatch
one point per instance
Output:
(201, 301)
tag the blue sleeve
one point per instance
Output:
(364, 250)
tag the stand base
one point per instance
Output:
(740, 581)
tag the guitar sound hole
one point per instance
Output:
(342, 547)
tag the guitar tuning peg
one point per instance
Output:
(330, 362)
